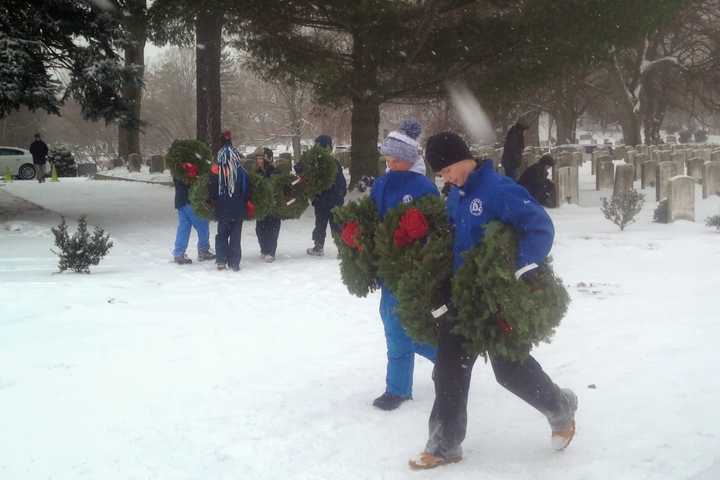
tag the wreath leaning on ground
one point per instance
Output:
(188, 159)
(318, 169)
(356, 242)
(413, 247)
(497, 314)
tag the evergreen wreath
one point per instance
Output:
(261, 195)
(188, 160)
(356, 242)
(413, 247)
(498, 314)
(318, 169)
(290, 200)
(199, 198)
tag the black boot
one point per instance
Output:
(388, 401)
(182, 260)
(205, 255)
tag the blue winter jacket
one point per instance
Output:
(394, 188)
(226, 207)
(487, 196)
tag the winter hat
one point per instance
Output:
(268, 153)
(324, 141)
(444, 149)
(402, 143)
(226, 135)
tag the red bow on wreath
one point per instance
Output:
(350, 234)
(413, 226)
(190, 169)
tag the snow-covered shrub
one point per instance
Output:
(79, 251)
(661, 212)
(713, 222)
(64, 161)
(623, 207)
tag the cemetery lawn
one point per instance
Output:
(148, 370)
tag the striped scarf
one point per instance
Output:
(228, 160)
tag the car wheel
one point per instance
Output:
(27, 172)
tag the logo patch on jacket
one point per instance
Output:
(407, 198)
(476, 207)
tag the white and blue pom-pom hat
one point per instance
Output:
(402, 143)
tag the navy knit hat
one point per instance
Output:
(324, 141)
(444, 149)
(402, 143)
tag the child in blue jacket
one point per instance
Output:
(228, 189)
(479, 195)
(400, 185)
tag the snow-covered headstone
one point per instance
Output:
(624, 177)
(695, 168)
(605, 178)
(567, 182)
(648, 172)
(681, 199)
(711, 179)
(678, 158)
(157, 164)
(665, 171)
(134, 162)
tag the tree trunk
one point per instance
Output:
(364, 157)
(136, 23)
(208, 34)
(532, 137)
(566, 126)
(655, 107)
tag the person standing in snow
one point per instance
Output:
(513, 149)
(187, 220)
(478, 196)
(39, 151)
(228, 191)
(535, 181)
(268, 228)
(325, 202)
(404, 182)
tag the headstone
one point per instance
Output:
(343, 158)
(638, 160)
(624, 177)
(600, 157)
(578, 156)
(567, 185)
(715, 156)
(648, 173)
(620, 152)
(86, 169)
(678, 159)
(284, 165)
(285, 156)
(681, 199)
(157, 164)
(118, 162)
(711, 179)
(605, 178)
(642, 149)
(695, 168)
(665, 171)
(134, 162)
(565, 159)
(705, 154)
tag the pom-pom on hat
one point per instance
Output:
(226, 135)
(402, 143)
(444, 149)
(324, 141)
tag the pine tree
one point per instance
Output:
(623, 207)
(81, 249)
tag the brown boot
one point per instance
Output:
(427, 460)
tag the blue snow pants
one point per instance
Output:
(186, 221)
(401, 349)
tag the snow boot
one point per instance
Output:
(563, 424)
(427, 460)
(221, 266)
(205, 255)
(182, 260)
(388, 401)
(269, 258)
(315, 251)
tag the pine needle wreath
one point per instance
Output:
(318, 169)
(415, 262)
(199, 198)
(261, 195)
(290, 201)
(497, 314)
(188, 160)
(355, 243)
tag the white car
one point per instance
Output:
(18, 161)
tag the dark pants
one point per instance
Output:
(268, 230)
(322, 218)
(227, 243)
(511, 171)
(451, 375)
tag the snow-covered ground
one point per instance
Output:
(148, 370)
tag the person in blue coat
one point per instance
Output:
(403, 183)
(325, 202)
(228, 189)
(479, 195)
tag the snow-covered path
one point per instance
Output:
(148, 370)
